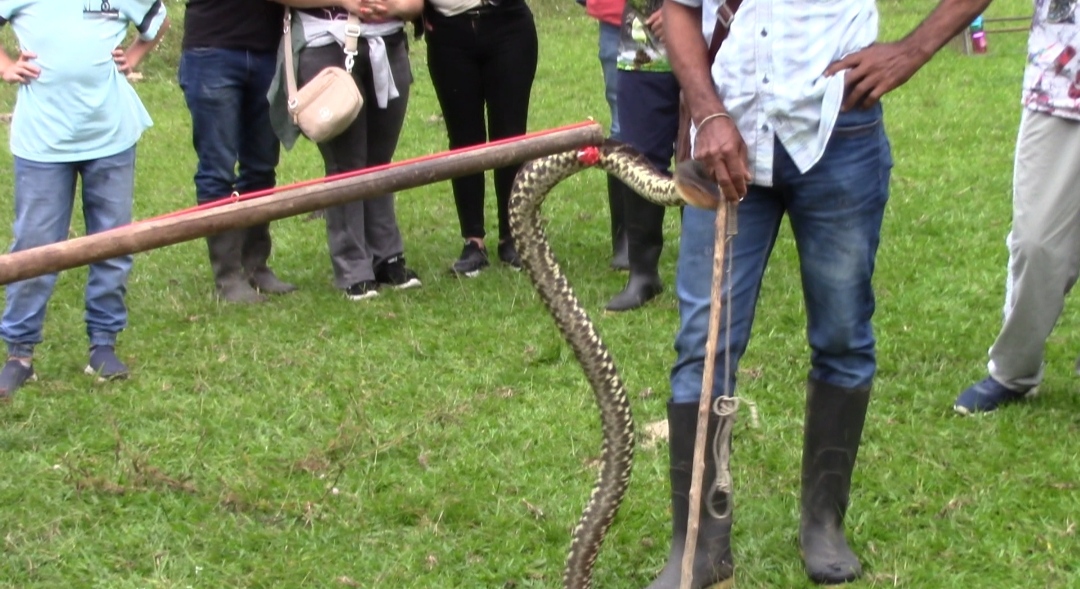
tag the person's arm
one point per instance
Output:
(882, 67)
(405, 10)
(718, 143)
(352, 6)
(18, 71)
(128, 59)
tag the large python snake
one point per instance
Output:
(531, 187)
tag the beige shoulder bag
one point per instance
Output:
(330, 101)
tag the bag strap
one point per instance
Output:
(352, 36)
(724, 15)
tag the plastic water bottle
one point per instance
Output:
(978, 35)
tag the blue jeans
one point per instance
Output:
(44, 200)
(225, 90)
(835, 210)
(609, 53)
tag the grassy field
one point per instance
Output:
(444, 437)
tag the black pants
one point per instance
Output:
(477, 60)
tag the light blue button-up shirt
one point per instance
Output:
(770, 72)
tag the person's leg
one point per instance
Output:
(454, 67)
(44, 194)
(384, 128)
(1044, 247)
(836, 210)
(350, 256)
(44, 197)
(760, 214)
(108, 191)
(213, 82)
(1043, 261)
(759, 220)
(650, 122)
(609, 53)
(511, 48)
(617, 190)
(257, 155)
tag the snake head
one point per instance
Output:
(695, 186)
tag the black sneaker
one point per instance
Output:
(472, 260)
(394, 273)
(362, 290)
(16, 372)
(508, 254)
(105, 365)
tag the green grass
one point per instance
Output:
(454, 423)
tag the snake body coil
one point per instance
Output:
(531, 187)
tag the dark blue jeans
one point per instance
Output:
(649, 114)
(225, 90)
(835, 210)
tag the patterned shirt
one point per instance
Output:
(639, 49)
(770, 72)
(1052, 75)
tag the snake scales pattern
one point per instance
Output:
(531, 187)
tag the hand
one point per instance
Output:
(353, 6)
(383, 10)
(655, 22)
(22, 71)
(120, 59)
(874, 71)
(376, 10)
(720, 147)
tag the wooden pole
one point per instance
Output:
(287, 202)
(697, 475)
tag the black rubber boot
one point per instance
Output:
(645, 236)
(616, 193)
(230, 279)
(256, 252)
(714, 566)
(834, 424)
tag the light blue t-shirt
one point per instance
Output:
(81, 107)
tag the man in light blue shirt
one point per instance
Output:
(76, 116)
(787, 122)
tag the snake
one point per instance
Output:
(531, 186)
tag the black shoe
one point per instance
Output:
(508, 254)
(362, 290)
(105, 365)
(472, 260)
(394, 273)
(16, 372)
